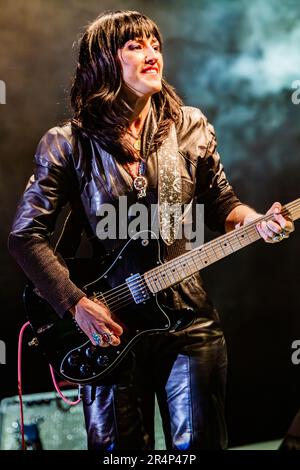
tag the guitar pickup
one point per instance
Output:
(138, 288)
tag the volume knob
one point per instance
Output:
(73, 359)
(85, 369)
(103, 361)
(90, 351)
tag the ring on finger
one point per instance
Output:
(98, 339)
(107, 337)
(280, 235)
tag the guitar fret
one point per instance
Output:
(183, 267)
(243, 240)
(163, 279)
(230, 245)
(226, 248)
(167, 273)
(155, 283)
(236, 243)
(194, 262)
(218, 252)
(207, 257)
(180, 270)
(252, 234)
(171, 271)
(247, 233)
(174, 272)
(214, 253)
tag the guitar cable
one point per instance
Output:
(65, 399)
(20, 393)
(20, 382)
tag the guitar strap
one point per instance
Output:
(169, 188)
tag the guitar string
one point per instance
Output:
(115, 304)
(117, 291)
(118, 302)
(121, 302)
(141, 281)
(120, 287)
(128, 299)
(232, 236)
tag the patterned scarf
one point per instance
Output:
(169, 188)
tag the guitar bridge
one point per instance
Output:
(138, 288)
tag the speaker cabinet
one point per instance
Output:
(50, 423)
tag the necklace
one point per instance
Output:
(138, 140)
(140, 182)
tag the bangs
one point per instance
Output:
(136, 26)
(122, 26)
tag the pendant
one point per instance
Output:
(137, 144)
(140, 183)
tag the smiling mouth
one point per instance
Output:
(152, 70)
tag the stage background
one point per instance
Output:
(236, 60)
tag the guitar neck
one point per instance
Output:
(174, 271)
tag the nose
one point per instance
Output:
(151, 56)
(150, 60)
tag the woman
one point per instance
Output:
(124, 113)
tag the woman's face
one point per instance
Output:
(142, 65)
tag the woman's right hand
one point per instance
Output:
(93, 317)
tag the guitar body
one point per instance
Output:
(119, 283)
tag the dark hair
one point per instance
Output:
(100, 111)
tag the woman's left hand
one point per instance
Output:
(275, 230)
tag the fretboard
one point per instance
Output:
(176, 270)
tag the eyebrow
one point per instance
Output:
(154, 39)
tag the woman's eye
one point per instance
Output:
(132, 47)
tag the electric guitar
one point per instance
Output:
(131, 285)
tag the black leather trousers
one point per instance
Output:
(186, 370)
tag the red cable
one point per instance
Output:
(69, 402)
(20, 381)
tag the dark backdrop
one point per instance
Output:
(236, 60)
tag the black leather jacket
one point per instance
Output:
(79, 172)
